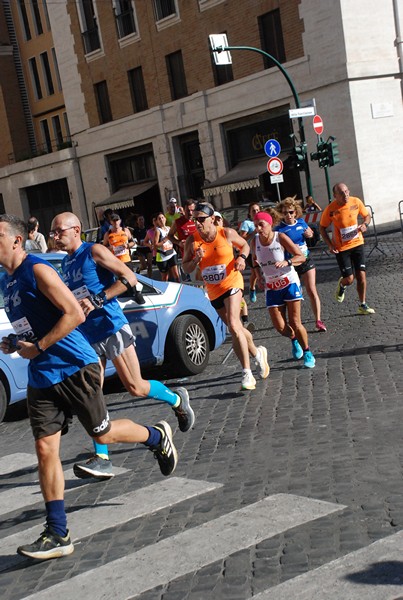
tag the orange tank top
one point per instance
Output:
(118, 242)
(217, 265)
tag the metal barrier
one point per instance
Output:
(313, 220)
(401, 215)
(375, 245)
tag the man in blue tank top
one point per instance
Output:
(64, 378)
(96, 277)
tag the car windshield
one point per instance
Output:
(56, 261)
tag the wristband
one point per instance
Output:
(37, 346)
(242, 256)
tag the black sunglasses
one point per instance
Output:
(289, 212)
(200, 219)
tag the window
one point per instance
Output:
(45, 12)
(24, 19)
(37, 17)
(48, 74)
(57, 131)
(47, 142)
(89, 27)
(56, 67)
(124, 15)
(137, 89)
(176, 75)
(36, 82)
(103, 104)
(271, 35)
(67, 127)
(134, 168)
(164, 8)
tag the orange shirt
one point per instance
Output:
(118, 242)
(345, 223)
(217, 265)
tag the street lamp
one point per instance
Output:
(219, 44)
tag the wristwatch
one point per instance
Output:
(98, 300)
(289, 262)
(243, 256)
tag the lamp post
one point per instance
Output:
(219, 49)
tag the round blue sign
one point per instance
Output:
(272, 148)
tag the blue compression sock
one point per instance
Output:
(159, 391)
(154, 437)
(101, 450)
(56, 517)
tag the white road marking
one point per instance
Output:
(111, 513)
(374, 573)
(190, 550)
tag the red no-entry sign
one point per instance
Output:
(318, 124)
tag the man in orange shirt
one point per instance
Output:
(347, 241)
(212, 249)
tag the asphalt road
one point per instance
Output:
(293, 490)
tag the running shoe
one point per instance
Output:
(165, 452)
(320, 326)
(94, 467)
(248, 381)
(251, 327)
(252, 296)
(340, 291)
(364, 309)
(261, 362)
(309, 360)
(184, 412)
(297, 351)
(48, 545)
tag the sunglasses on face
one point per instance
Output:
(289, 212)
(200, 219)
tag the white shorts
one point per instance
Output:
(115, 344)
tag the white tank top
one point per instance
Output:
(267, 256)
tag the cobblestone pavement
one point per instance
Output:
(332, 434)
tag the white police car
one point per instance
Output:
(176, 326)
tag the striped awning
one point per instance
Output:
(244, 176)
(124, 197)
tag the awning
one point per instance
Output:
(244, 176)
(124, 198)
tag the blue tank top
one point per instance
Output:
(32, 316)
(84, 277)
(296, 234)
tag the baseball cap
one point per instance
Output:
(172, 200)
(217, 214)
(114, 217)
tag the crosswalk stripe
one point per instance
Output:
(132, 505)
(15, 462)
(191, 549)
(373, 573)
(25, 495)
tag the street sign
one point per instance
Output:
(275, 166)
(296, 113)
(318, 124)
(276, 179)
(219, 40)
(272, 148)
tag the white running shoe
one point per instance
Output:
(261, 362)
(248, 381)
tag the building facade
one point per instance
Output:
(144, 113)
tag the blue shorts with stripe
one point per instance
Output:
(291, 293)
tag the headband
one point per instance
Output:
(263, 216)
(204, 208)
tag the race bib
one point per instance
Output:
(119, 250)
(81, 292)
(23, 329)
(214, 274)
(167, 245)
(278, 284)
(349, 233)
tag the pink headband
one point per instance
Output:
(263, 216)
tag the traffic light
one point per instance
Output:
(321, 154)
(299, 156)
(333, 153)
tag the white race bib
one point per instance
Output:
(81, 292)
(349, 233)
(214, 274)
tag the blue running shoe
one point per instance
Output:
(309, 360)
(297, 351)
(252, 296)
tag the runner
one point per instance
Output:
(278, 277)
(294, 226)
(347, 242)
(212, 248)
(143, 250)
(63, 379)
(166, 257)
(247, 230)
(119, 240)
(96, 277)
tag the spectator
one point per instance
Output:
(172, 212)
(39, 238)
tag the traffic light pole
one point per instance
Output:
(294, 93)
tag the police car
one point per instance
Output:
(176, 326)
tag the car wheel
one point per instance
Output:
(3, 401)
(187, 348)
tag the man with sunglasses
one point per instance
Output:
(96, 277)
(211, 248)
